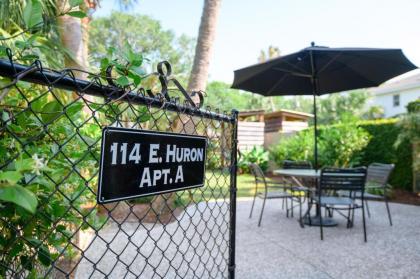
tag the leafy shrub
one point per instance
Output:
(299, 147)
(380, 148)
(49, 150)
(414, 106)
(34, 160)
(342, 145)
(410, 134)
(338, 145)
(256, 155)
(212, 160)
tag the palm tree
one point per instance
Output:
(197, 82)
(72, 32)
(271, 53)
(204, 47)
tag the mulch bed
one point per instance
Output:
(139, 213)
(406, 197)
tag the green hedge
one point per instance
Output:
(381, 149)
(339, 140)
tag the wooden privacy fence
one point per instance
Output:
(250, 134)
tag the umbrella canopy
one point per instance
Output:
(321, 70)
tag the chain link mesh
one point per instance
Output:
(50, 145)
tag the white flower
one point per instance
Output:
(12, 144)
(39, 164)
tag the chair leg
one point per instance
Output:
(364, 221)
(320, 223)
(252, 207)
(367, 208)
(349, 217)
(300, 211)
(282, 205)
(389, 212)
(309, 211)
(287, 208)
(292, 206)
(262, 211)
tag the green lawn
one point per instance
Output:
(217, 188)
(246, 185)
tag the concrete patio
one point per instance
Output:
(280, 248)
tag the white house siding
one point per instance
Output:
(386, 101)
(407, 88)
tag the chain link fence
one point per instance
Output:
(50, 223)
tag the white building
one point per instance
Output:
(393, 97)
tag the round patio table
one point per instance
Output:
(307, 173)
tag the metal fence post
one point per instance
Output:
(233, 190)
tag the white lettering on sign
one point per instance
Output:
(131, 154)
(134, 154)
(165, 173)
(179, 175)
(170, 153)
(175, 154)
(153, 153)
(136, 163)
(123, 153)
(145, 178)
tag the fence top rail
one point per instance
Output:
(66, 79)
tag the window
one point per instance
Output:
(396, 100)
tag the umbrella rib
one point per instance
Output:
(332, 60)
(358, 74)
(292, 73)
(275, 85)
(289, 72)
(296, 67)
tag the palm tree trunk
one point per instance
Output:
(204, 47)
(72, 38)
(198, 79)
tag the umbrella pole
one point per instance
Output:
(314, 81)
(315, 134)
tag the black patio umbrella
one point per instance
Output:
(319, 70)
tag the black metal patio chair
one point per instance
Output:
(265, 189)
(299, 191)
(335, 179)
(377, 182)
(289, 164)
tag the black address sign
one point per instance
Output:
(136, 163)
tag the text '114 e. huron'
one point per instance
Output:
(136, 163)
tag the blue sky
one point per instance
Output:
(247, 26)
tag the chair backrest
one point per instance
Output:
(289, 164)
(257, 172)
(343, 179)
(378, 174)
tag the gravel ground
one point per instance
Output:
(277, 249)
(281, 249)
